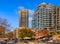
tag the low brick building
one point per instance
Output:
(2, 32)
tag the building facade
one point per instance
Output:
(46, 16)
(56, 17)
(23, 18)
(2, 32)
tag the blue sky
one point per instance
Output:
(9, 9)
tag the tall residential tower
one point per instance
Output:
(23, 18)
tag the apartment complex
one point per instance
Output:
(46, 16)
(23, 18)
(56, 17)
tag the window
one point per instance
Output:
(58, 32)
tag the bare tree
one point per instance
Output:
(4, 23)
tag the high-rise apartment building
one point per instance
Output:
(56, 17)
(23, 18)
(46, 16)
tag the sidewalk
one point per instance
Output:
(26, 43)
(21, 43)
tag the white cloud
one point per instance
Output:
(21, 7)
(30, 18)
(31, 12)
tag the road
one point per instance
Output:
(32, 42)
(38, 43)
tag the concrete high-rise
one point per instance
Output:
(55, 17)
(23, 18)
(46, 16)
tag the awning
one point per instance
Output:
(27, 37)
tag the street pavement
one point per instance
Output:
(31, 42)
(37, 43)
